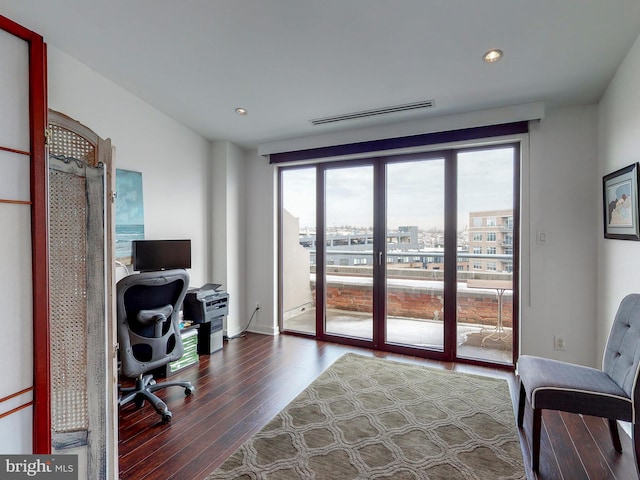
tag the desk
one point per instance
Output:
(500, 286)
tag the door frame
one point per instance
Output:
(379, 163)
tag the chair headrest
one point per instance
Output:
(155, 315)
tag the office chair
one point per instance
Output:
(612, 393)
(148, 307)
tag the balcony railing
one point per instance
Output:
(424, 258)
(412, 283)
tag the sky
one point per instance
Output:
(415, 191)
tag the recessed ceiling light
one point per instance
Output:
(492, 56)
(241, 111)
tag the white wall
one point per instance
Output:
(229, 231)
(174, 161)
(618, 146)
(192, 188)
(262, 243)
(558, 294)
(296, 259)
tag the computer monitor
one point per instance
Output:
(153, 255)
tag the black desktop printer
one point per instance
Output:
(207, 306)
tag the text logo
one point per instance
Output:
(50, 467)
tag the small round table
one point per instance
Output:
(498, 333)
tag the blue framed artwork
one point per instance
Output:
(129, 213)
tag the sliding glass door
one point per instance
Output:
(298, 249)
(486, 244)
(415, 253)
(349, 251)
(414, 242)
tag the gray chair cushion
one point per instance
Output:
(556, 385)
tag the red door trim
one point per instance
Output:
(39, 233)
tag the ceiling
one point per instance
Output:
(290, 61)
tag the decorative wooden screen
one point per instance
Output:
(79, 163)
(68, 290)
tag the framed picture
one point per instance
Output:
(620, 191)
(129, 213)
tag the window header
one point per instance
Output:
(435, 138)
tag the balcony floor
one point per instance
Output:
(410, 331)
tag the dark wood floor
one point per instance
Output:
(243, 386)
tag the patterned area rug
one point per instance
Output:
(367, 418)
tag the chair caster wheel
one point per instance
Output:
(188, 391)
(166, 417)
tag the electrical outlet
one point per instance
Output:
(558, 342)
(257, 305)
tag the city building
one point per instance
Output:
(491, 241)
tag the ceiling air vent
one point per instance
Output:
(374, 112)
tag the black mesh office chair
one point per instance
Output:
(148, 307)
